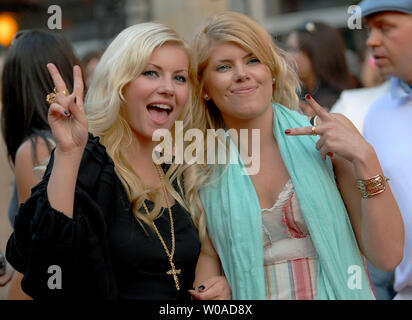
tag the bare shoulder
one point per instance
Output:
(25, 155)
(24, 168)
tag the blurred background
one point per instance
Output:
(91, 24)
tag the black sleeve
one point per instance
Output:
(62, 257)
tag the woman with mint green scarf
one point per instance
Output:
(298, 210)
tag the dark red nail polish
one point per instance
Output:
(308, 97)
(330, 154)
(287, 131)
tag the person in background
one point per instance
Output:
(355, 103)
(370, 76)
(25, 129)
(6, 271)
(319, 53)
(354, 65)
(387, 124)
(89, 62)
(286, 231)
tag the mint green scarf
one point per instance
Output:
(234, 220)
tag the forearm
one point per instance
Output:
(382, 231)
(208, 266)
(62, 183)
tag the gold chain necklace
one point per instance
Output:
(173, 271)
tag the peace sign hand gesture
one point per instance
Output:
(66, 117)
(337, 134)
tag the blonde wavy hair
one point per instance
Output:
(123, 61)
(245, 32)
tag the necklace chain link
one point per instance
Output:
(173, 271)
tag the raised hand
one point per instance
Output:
(67, 118)
(337, 134)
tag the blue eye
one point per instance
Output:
(181, 79)
(254, 60)
(222, 67)
(150, 73)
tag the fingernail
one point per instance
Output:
(330, 154)
(201, 288)
(287, 131)
(67, 113)
(308, 97)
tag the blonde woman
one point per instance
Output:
(287, 231)
(105, 221)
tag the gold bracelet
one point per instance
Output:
(373, 186)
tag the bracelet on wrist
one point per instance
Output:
(372, 186)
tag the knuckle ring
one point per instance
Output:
(314, 131)
(51, 97)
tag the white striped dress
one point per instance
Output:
(290, 259)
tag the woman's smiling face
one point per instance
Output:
(157, 96)
(237, 82)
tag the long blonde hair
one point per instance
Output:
(242, 30)
(124, 60)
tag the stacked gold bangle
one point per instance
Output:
(373, 186)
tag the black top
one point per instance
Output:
(103, 252)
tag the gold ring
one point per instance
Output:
(51, 97)
(314, 131)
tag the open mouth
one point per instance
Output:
(159, 112)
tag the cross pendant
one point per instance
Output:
(174, 272)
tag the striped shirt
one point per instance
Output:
(290, 259)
